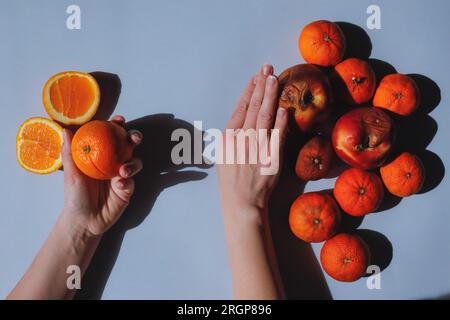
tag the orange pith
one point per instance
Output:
(71, 97)
(38, 145)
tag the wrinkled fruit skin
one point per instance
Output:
(322, 43)
(397, 93)
(404, 176)
(314, 159)
(345, 257)
(307, 92)
(358, 192)
(314, 217)
(363, 137)
(354, 81)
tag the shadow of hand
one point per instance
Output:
(158, 174)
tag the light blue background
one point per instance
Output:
(192, 59)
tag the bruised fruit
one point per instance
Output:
(314, 217)
(314, 159)
(403, 176)
(363, 137)
(99, 148)
(358, 192)
(307, 92)
(322, 42)
(354, 81)
(345, 257)
(397, 93)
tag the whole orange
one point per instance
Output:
(403, 176)
(345, 257)
(322, 42)
(99, 148)
(358, 192)
(314, 217)
(397, 93)
(354, 81)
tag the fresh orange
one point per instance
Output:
(99, 148)
(71, 97)
(38, 145)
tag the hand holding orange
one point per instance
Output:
(99, 148)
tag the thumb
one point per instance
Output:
(67, 160)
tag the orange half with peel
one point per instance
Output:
(38, 145)
(71, 97)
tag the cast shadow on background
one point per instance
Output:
(159, 173)
(301, 272)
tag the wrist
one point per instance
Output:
(75, 229)
(245, 214)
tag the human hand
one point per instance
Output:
(92, 206)
(242, 186)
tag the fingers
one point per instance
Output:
(123, 188)
(279, 131)
(66, 153)
(123, 184)
(131, 168)
(135, 137)
(238, 117)
(266, 114)
(120, 120)
(257, 97)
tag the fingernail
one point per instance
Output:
(137, 135)
(128, 170)
(281, 112)
(272, 80)
(267, 69)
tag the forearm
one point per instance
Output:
(47, 276)
(253, 262)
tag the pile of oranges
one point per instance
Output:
(98, 147)
(363, 138)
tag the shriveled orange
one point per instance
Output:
(345, 257)
(71, 97)
(403, 176)
(38, 145)
(99, 148)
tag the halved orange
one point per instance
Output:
(71, 97)
(38, 145)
